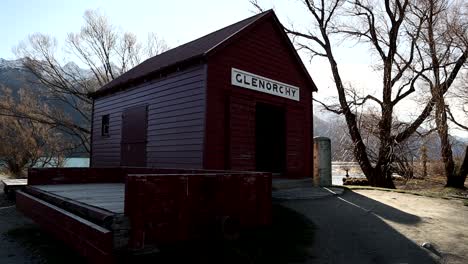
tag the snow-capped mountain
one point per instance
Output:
(14, 75)
(11, 64)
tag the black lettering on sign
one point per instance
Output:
(254, 82)
(261, 84)
(275, 87)
(239, 77)
(245, 80)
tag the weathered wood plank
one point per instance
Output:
(108, 196)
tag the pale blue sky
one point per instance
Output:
(177, 22)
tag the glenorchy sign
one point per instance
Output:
(258, 83)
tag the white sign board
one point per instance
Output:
(258, 83)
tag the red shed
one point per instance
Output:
(239, 98)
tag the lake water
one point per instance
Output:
(77, 162)
(338, 169)
(73, 162)
(339, 172)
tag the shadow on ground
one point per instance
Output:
(43, 246)
(287, 240)
(380, 209)
(350, 229)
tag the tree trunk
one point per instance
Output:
(446, 147)
(380, 177)
(464, 166)
(453, 180)
(458, 180)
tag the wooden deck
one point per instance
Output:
(107, 196)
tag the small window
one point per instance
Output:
(105, 126)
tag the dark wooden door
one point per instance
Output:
(134, 136)
(270, 138)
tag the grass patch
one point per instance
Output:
(287, 240)
(40, 243)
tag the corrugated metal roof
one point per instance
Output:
(185, 52)
(189, 53)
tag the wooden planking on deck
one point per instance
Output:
(108, 196)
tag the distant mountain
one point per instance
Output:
(11, 64)
(15, 76)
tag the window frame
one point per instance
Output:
(105, 121)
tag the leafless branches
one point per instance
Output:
(27, 141)
(443, 50)
(101, 52)
(394, 31)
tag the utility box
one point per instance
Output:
(322, 162)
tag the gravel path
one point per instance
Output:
(364, 226)
(386, 227)
(12, 251)
(347, 232)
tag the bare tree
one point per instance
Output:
(155, 45)
(382, 25)
(102, 53)
(26, 142)
(443, 50)
(392, 30)
(460, 95)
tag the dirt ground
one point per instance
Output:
(360, 226)
(371, 226)
(443, 223)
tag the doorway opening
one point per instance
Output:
(270, 138)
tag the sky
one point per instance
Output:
(177, 22)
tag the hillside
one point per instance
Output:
(14, 76)
(334, 127)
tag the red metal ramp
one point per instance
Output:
(90, 240)
(136, 208)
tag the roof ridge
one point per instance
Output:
(217, 31)
(197, 48)
(259, 15)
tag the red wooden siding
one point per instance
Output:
(169, 208)
(242, 129)
(262, 51)
(176, 118)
